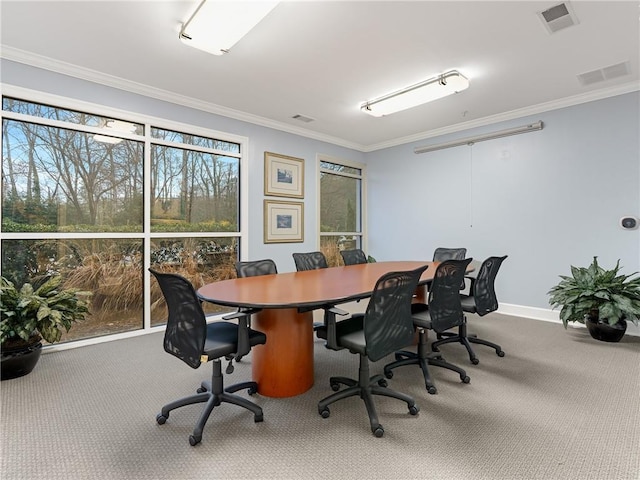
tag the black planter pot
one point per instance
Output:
(19, 361)
(603, 331)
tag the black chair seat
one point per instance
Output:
(343, 327)
(468, 304)
(222, 339)
(421, 315)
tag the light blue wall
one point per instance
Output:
(548, 199)
(261, 139)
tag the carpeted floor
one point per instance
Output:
(559, 405)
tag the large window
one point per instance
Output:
(341, 207)
(98, 199)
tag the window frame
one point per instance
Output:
(320, 157)
(62, 102)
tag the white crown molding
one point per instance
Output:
(94, 76)
(46, 63)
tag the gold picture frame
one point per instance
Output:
(283, 222)
(283, 175)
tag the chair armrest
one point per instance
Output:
(330, 324)
(472, 283)
(241, 313)
(244, 347)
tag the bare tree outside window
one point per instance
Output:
(73, 204)
(340, 209)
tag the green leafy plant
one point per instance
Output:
(596, 292)
(45, 311)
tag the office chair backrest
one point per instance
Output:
(186, 324)
(445, 307)
(441, 254)
(388, 325)
(484, 292)
(255, 268)
(310, 261)
(353, 257)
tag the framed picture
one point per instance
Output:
(283, 222)
(283, 176)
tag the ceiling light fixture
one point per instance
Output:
(437, 87)
(216, 26)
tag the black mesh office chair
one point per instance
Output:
(481, 301)
(353, 257)
(385, 327)
(192, 340)
(310, 261)
(441, 254)
(444, 311)
(315, 261)
(255, 268)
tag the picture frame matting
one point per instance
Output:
(283, 175)
(283, 221)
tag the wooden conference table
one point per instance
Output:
(283, 367)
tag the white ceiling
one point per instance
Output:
(322, 59)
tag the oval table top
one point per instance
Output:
(311, 288)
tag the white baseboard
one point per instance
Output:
(548, 315)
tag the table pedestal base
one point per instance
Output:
(283, 367)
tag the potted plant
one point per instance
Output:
(602, 299)
(29, 315)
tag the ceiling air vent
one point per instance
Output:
(602, 74)
(559, 17)
(302, 118)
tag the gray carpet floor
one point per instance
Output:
(559, 405)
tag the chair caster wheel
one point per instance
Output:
(475, 361)
(325, 413)
(388, 374)
(161, 419)
(500, 353)
(258, 418)
(201, 390)
(465, 379)
(252, 390)
(378, 431)
(435, 349)
(383, 383)
(193, 441)
(414, 409)
(432, 390)
(335, 387)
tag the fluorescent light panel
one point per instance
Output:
(216, 26)
(437, 87)
(480, 138)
